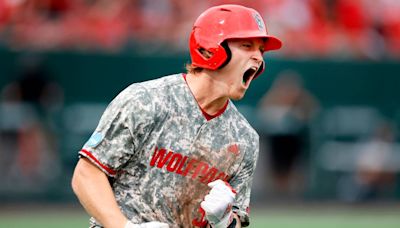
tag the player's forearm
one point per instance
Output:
(94, 192)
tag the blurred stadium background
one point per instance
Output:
(327, 106)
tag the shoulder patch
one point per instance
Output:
(95, 139)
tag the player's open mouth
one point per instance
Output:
(249, 75)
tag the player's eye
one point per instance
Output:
(247, 45)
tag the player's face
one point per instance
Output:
(247, 58)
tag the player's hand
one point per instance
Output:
(217, 204)
(129, 224)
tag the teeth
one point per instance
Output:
(255, 68)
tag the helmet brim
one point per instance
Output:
(272, 43)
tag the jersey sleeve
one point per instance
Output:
(242, 182)
(123, 125)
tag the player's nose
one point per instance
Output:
(257, 57)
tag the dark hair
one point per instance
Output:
(193, 69)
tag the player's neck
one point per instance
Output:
(208, 92)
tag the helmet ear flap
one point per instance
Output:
(228, 52)
(204, 53)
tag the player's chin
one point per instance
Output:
(238, 95)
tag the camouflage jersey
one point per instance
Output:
(160, 151)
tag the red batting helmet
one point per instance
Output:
(220, 23)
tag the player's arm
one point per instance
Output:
(93, 190)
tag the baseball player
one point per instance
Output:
(175, 151)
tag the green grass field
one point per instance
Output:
(299, 217)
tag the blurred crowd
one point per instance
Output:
(357, 147)
(358, 29)
(29, 143)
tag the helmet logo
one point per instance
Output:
(259, 22)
